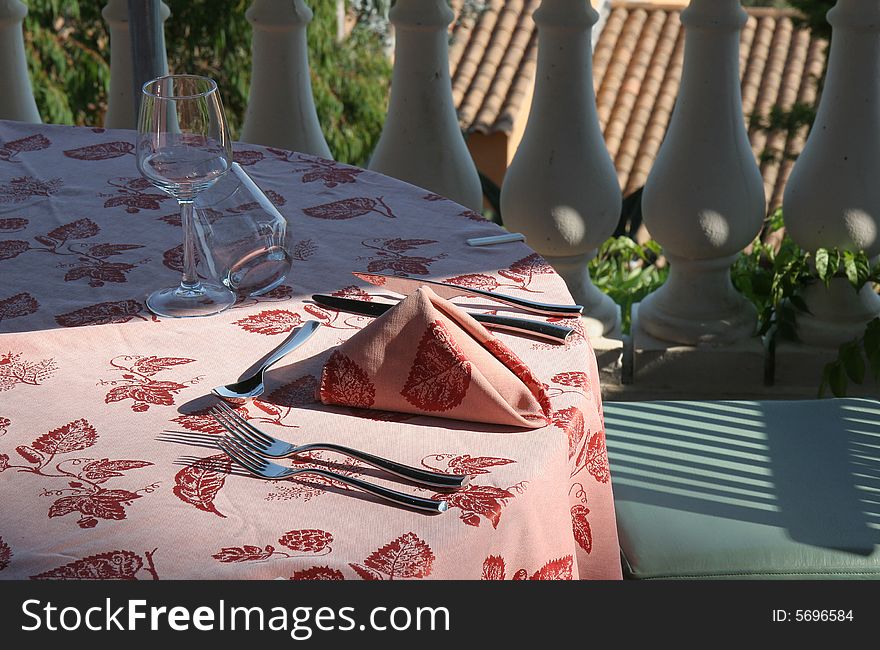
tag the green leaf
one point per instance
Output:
(822, 264)
(851, 268)
(853, 363)
(834, 258)
(863, 269)
(871, 344)
(836, 378)
(799, 303)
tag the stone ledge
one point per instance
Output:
(799, 367)
(609, 354)
(672, 368)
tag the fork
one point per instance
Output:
(252, 438)
(263, 468)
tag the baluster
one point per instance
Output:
(17, 98)
(121, 113)
(833, 194)
(421, 141)
(704, 198)
(561, 189)
(281, 110)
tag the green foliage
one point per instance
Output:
(773, 281)
(851, 365)
(814, 15)
(779, 120)
(66, 43)
(350, 82)
(213, 39)
(627, 272)
(68, 52)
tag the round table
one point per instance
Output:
(108, 467)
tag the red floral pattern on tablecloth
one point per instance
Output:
(560, 569)
(198, 483)
(104, 151)
(84, 492)
(298, 543)
(14, 224)
(15, 370)
(5, 554)
(21, 304)
(112, 565)
(464, 463)
(350, 208)
(86, 260)
(24, 188)
(479, 501)
(103, 313)
(129, 448)
(392, 258)
(318, 573)
(580, 525)
(138, 385)
(9, 151)
(408, 556)
(134, 194)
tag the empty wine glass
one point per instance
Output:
(183, 147)
(243, 238)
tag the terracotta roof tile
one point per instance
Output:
(637, 66)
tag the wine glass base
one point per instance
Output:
(187, 302)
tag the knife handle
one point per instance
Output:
(543, 308)
(556, 333)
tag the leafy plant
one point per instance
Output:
(68, 51)
(773, 281)
(627, 272)
(850, 363)
(67, 47)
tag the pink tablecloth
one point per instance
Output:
(106, 461)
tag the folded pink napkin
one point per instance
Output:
(429, 357)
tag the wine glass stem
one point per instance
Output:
(190, 279)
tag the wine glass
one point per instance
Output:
(243, 237)
(183, 147)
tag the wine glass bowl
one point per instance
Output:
(183, 148)
(244, 239)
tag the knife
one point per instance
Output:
(406, 286)
(541, 329)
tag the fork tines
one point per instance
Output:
(237, 426)
(243, 456)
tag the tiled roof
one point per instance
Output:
(492, 58)
(637, 65)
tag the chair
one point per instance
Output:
(743, 489)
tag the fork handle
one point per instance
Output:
(407, 500)
(433, 479)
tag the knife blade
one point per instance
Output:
(406, 286)
(550, 331)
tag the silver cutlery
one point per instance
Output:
(496, 239)
(259, 466)
(542, 329)
(406, 286)
(252, 385)
(252, 438)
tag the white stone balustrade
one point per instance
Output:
(561, 189)
(17, 97)
(704, 198)
(121, 113)
(421, 141)
(281, 109)
(833, 195)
